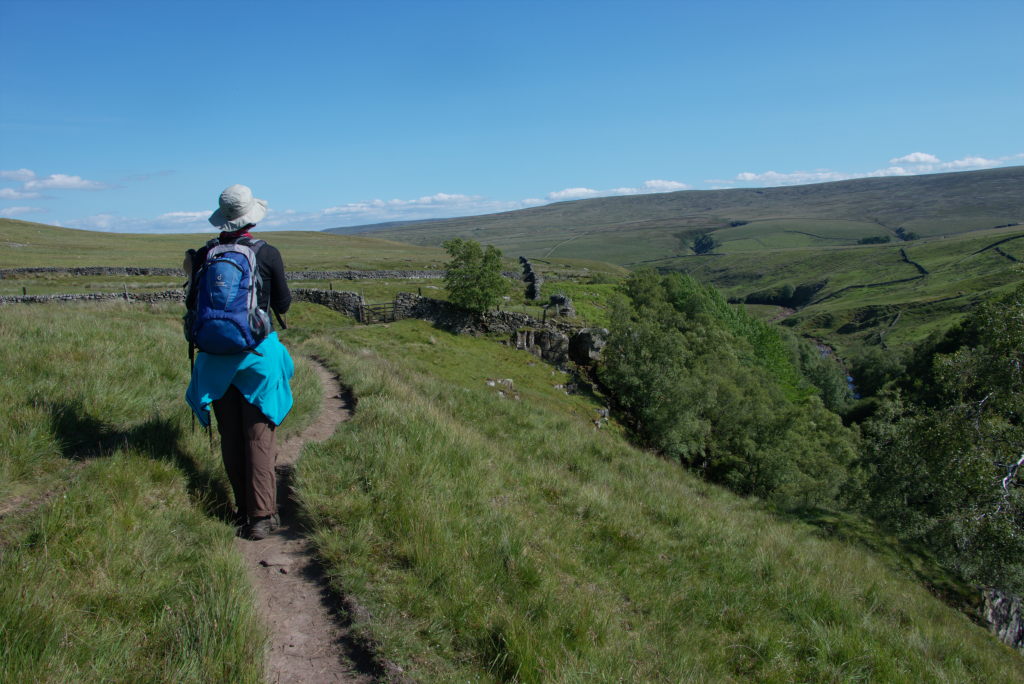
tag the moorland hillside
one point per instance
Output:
(637, 228)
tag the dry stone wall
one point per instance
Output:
(165, 296)
(348, 303)
(532, 279)
(292, 275)
(91, 271)
(556, 342)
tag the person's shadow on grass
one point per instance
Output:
(82, 437)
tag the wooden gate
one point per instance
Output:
(377, 313)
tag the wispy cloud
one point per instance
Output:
(170, 222)
(573, 194)
(13, 193)
(915, 158)
(32, 184)
(912, 164)
(9, 212)
(61, 181)
(19, 175)
(664, 186)
(648, 187)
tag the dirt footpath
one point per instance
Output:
(309, 637)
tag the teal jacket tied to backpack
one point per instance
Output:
(262, 378)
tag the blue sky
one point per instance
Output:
(133, 116)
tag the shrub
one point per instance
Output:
(703, 243)
(718, 390)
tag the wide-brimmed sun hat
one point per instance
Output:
(238, 209)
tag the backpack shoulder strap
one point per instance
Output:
(252, 244)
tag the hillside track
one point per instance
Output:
(310, 639)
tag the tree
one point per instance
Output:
(703, 243)
(706, 384)
(473, 276)
(945, 460)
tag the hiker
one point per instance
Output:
(242, 368)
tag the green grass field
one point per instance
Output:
(490, 538)
(116, 563)
(495, 539)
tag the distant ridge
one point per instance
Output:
(633, 228)
(371, 227)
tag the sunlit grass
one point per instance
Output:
(117, 562)
(501, 539)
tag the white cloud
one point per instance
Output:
(916, 158)
(184, 216)
(11, 193)
(18, 211)
(572, 194)
(649, 186)
(971, 163)
(170, 222)
(19, 175)
(60, 181)
(664, 186)
(909, 165)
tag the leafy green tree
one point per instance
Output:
(686, 368)
(473, 276)
(945, 460)
(703, 243)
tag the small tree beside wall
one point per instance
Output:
(473, 276)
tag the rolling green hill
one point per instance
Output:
(892, 293)
(871, 294)
(631, 229)
(36, 244)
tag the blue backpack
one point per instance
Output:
(226, 318)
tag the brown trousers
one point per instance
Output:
(247, 447)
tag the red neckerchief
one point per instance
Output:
(235, 234)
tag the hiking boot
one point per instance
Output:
(260, 528)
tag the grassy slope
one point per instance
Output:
(625, 230)
(959, 275)
(35, 244)
(115, 564)
(494, 539)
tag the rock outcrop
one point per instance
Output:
(1004, 615)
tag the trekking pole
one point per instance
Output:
(191, 370)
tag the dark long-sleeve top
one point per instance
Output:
(273, 291)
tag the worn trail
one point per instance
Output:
(309, 636)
